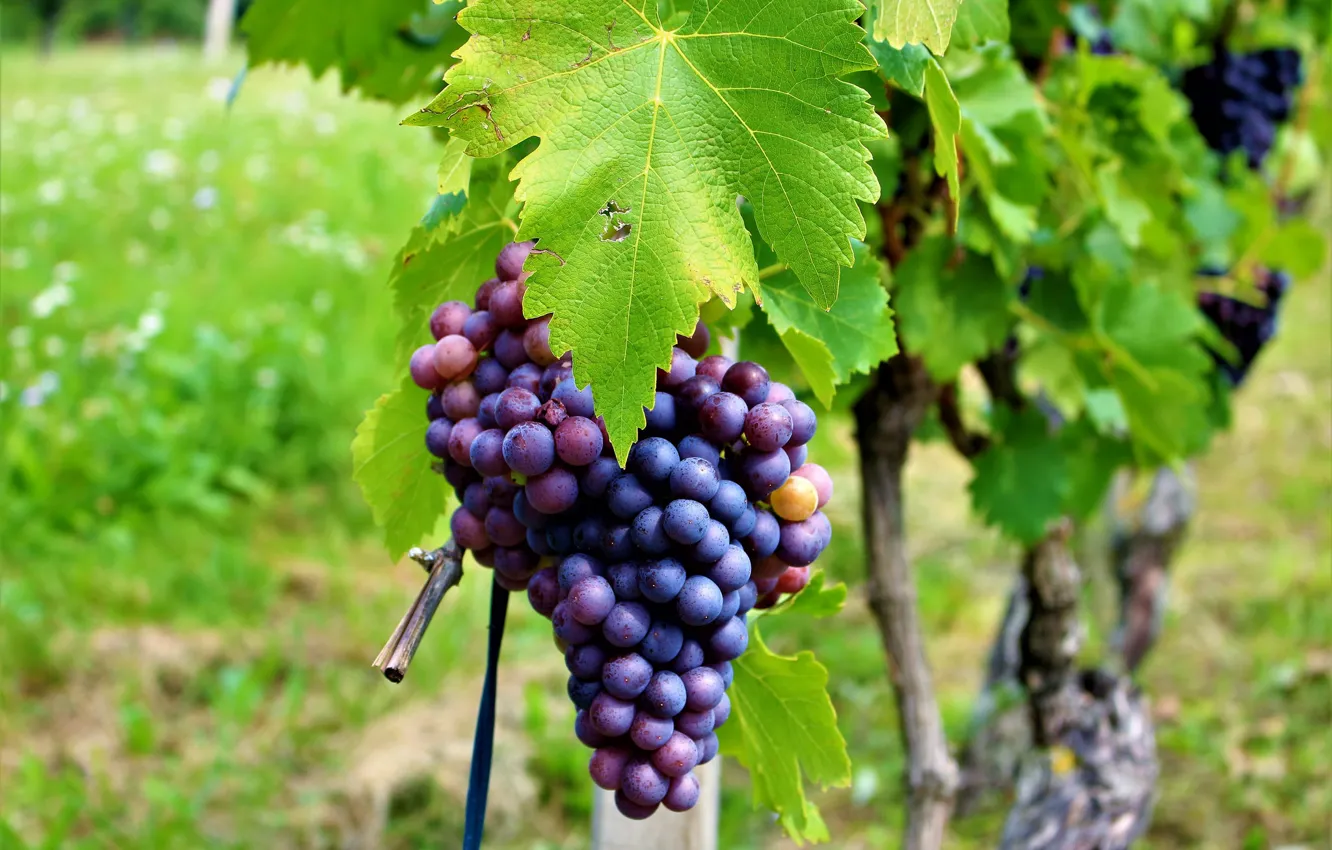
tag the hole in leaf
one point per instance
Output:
(616, 228)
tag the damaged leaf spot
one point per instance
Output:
(616, 228)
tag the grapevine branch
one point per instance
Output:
(966, 442)
(445, 567)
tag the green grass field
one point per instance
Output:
(190, 592)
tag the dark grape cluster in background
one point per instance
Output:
(1244, 325)
(1239, 98)
(647, 573)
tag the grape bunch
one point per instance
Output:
(1238, 99)
(646, 572)
(1248, 327)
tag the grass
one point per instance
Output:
(190, 591)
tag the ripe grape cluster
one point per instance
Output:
(1239, 98)
(646, 572)
(1246, 326)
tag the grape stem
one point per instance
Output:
(445, 568)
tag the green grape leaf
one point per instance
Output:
(392, 468)
(648, 136)
(1091, 459)
(1298, 247)
(448, 260)
(818, 599)
(783, 729)
(1021, 481)
(904, 67)
(391, 49)
(1122, 206)
(979, 21)
(950, 315)
(856, 334)
(455, 168)
(815, 362)
(927, 22)
(946, 117)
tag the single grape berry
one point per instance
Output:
(422, 367)
(795, 500)
(578, 441)
(455, 357)
(748, 380)
(803, 422)
(536, 342)
(768, 427)
(699, 601)
(722, 417)
(506, 303)
(694, 478)
(529, 448)
(509, 263)
(696, 344)
(481, 329)
(448, 319)
(685, 521)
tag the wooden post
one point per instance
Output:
(695, 829)
(217, 29)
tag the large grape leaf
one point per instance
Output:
(389, 49)
(783, 724)
(448, 259)
(979, 21)
(648, 136)
(949, 314)
(946, 118)
(392, 468)
(927, 22)
(856, 334)
(904, 67)
(1021, 482)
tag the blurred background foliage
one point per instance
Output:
(194, 318)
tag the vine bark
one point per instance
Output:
(886, 417)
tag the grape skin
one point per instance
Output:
(455, 357)
(423, 370)
(529, 448)
(578, 441)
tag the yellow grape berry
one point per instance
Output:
(795, 500)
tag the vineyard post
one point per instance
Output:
(217, 29)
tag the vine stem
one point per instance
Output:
(445, 567)
(886, 417)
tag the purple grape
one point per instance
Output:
(642, 783)
(423, 370)
(803, 422)
(468, 530)
(660, 418)
(626, 676)
(703, 688)
(660, 581)
(649, 732)
(685, 521)
(647, 532)
(694, 478)
(489, 376)
(581, 693)
(762, 472)
(448, 319)
(797, 454)
(611, 716)
(699, 601)
(722, 417)
(683, 793)
(696, 344)
(730, 605)
(509, 262)
(607, 764)
(715, 367)
(748, 598)
(457, 475)
(529, 447)
(487, 452)
(485, 411)
(536, 342)
(626, 624)
(559, 537)
(576, 402)
(763, 540)
(778, 393)
(578, 441)
(517, 564)
(434, 407)
(745, 524)
(536, 541)
(560, 370)
(664, 695)
(460, 440)
(678, 755)
(714, 543)
(696, 445)
(503, 528)
(437, 437)
(768, 427)
(727, 671)
(802, 542)
(569, 629)
(695, 724)
(528, 515)
(509, 349)
(694, 393)
(616, 543)
(543, 592)
(681, 369)
(729, 641)
(527, 376)
(623, 580)
(729, 502)
(506, 305)
(577, 567)
(598, 476)
(632, 810)
(584, 731)
(455, 357)
(516, 404)
(690, 656)
(731, 570)
(590, 600)
(748, 380)
(553, 492)
(481, 330)
(588, 533)
(626, 496)
(653, 460)
(500, 489)
(708, 747)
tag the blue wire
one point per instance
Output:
(483, 744)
